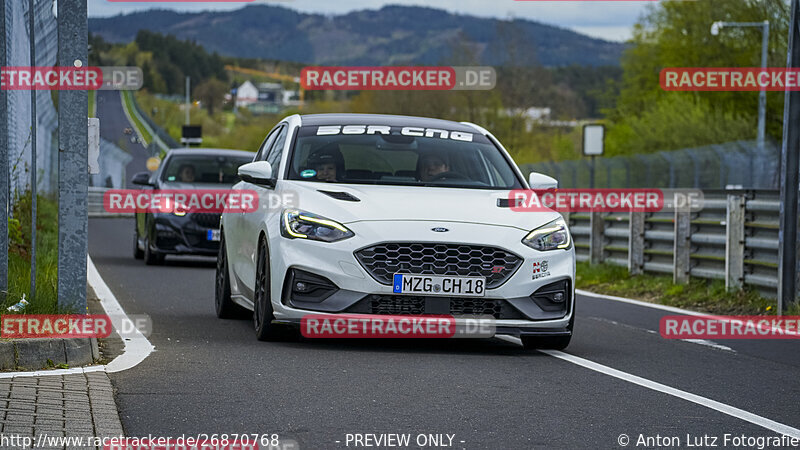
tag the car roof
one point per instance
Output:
(209, 152)
(382, 119)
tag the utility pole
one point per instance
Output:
(790, 154)
(188, 102)
(762, 95)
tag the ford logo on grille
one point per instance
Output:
(440, 229)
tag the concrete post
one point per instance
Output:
(596, 238)
(636, 243)
(682, 246)
(734, 242)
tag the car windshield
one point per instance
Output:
(409, 156)
(211, 169)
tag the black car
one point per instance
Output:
(158, 234)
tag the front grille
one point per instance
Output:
(208, 220)
(420, 305)
(476, 307)
(380, 304)
(382, 261)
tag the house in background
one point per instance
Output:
(266, 98)
(246, 95)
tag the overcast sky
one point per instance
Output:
(610, 20)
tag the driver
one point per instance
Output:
(431, 165)
(328, 163)
(186, 173)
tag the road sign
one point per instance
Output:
(593, 139)
(192, 134)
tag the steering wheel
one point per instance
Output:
(448, 176)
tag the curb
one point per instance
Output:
(43, 353)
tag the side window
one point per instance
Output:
(262, 152)
(276, 150)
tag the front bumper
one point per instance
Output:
(184, 235)
(516, 305)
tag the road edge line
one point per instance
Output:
(137, 347)
(673, 309)
(675, 392)
(640, 303)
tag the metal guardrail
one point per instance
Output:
(162, 138)
(734, 238)
(95, 204)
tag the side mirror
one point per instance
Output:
(258, 172)
(542, 181)
(142, 179)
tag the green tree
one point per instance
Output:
(677, 34)
(211, 93)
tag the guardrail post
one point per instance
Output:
(73, 172)
(734, 242)
(4, 169)
(682, 246)
(597, 226)
(636, 243)
(789, 182)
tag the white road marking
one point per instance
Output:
(631, 301)
(711, 344)
(688, 396)
(137, 347)
(729, 319)
(705, 342)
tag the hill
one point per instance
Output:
(391, 35)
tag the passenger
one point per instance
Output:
(431, 165)
(328, 163)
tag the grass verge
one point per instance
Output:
(92, 103)
(700, 295)
(127, 103)
(45, 300)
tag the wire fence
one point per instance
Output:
(44, 152)
(738, 164)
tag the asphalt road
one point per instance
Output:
(212, 376)
(113, 123)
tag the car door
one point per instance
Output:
(243, 238)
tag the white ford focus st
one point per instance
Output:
(395, 215)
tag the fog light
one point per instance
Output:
(558, 297)
(300, 286)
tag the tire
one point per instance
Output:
(262, 302)
(549, 342)
(151, 258)
(137, 252)
(225, 307)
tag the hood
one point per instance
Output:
(181, 185)
(395, 203)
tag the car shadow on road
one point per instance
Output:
(484, 346)
(122, 261)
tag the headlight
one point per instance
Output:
(553, 236)
(179, 210)
(296, 224)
